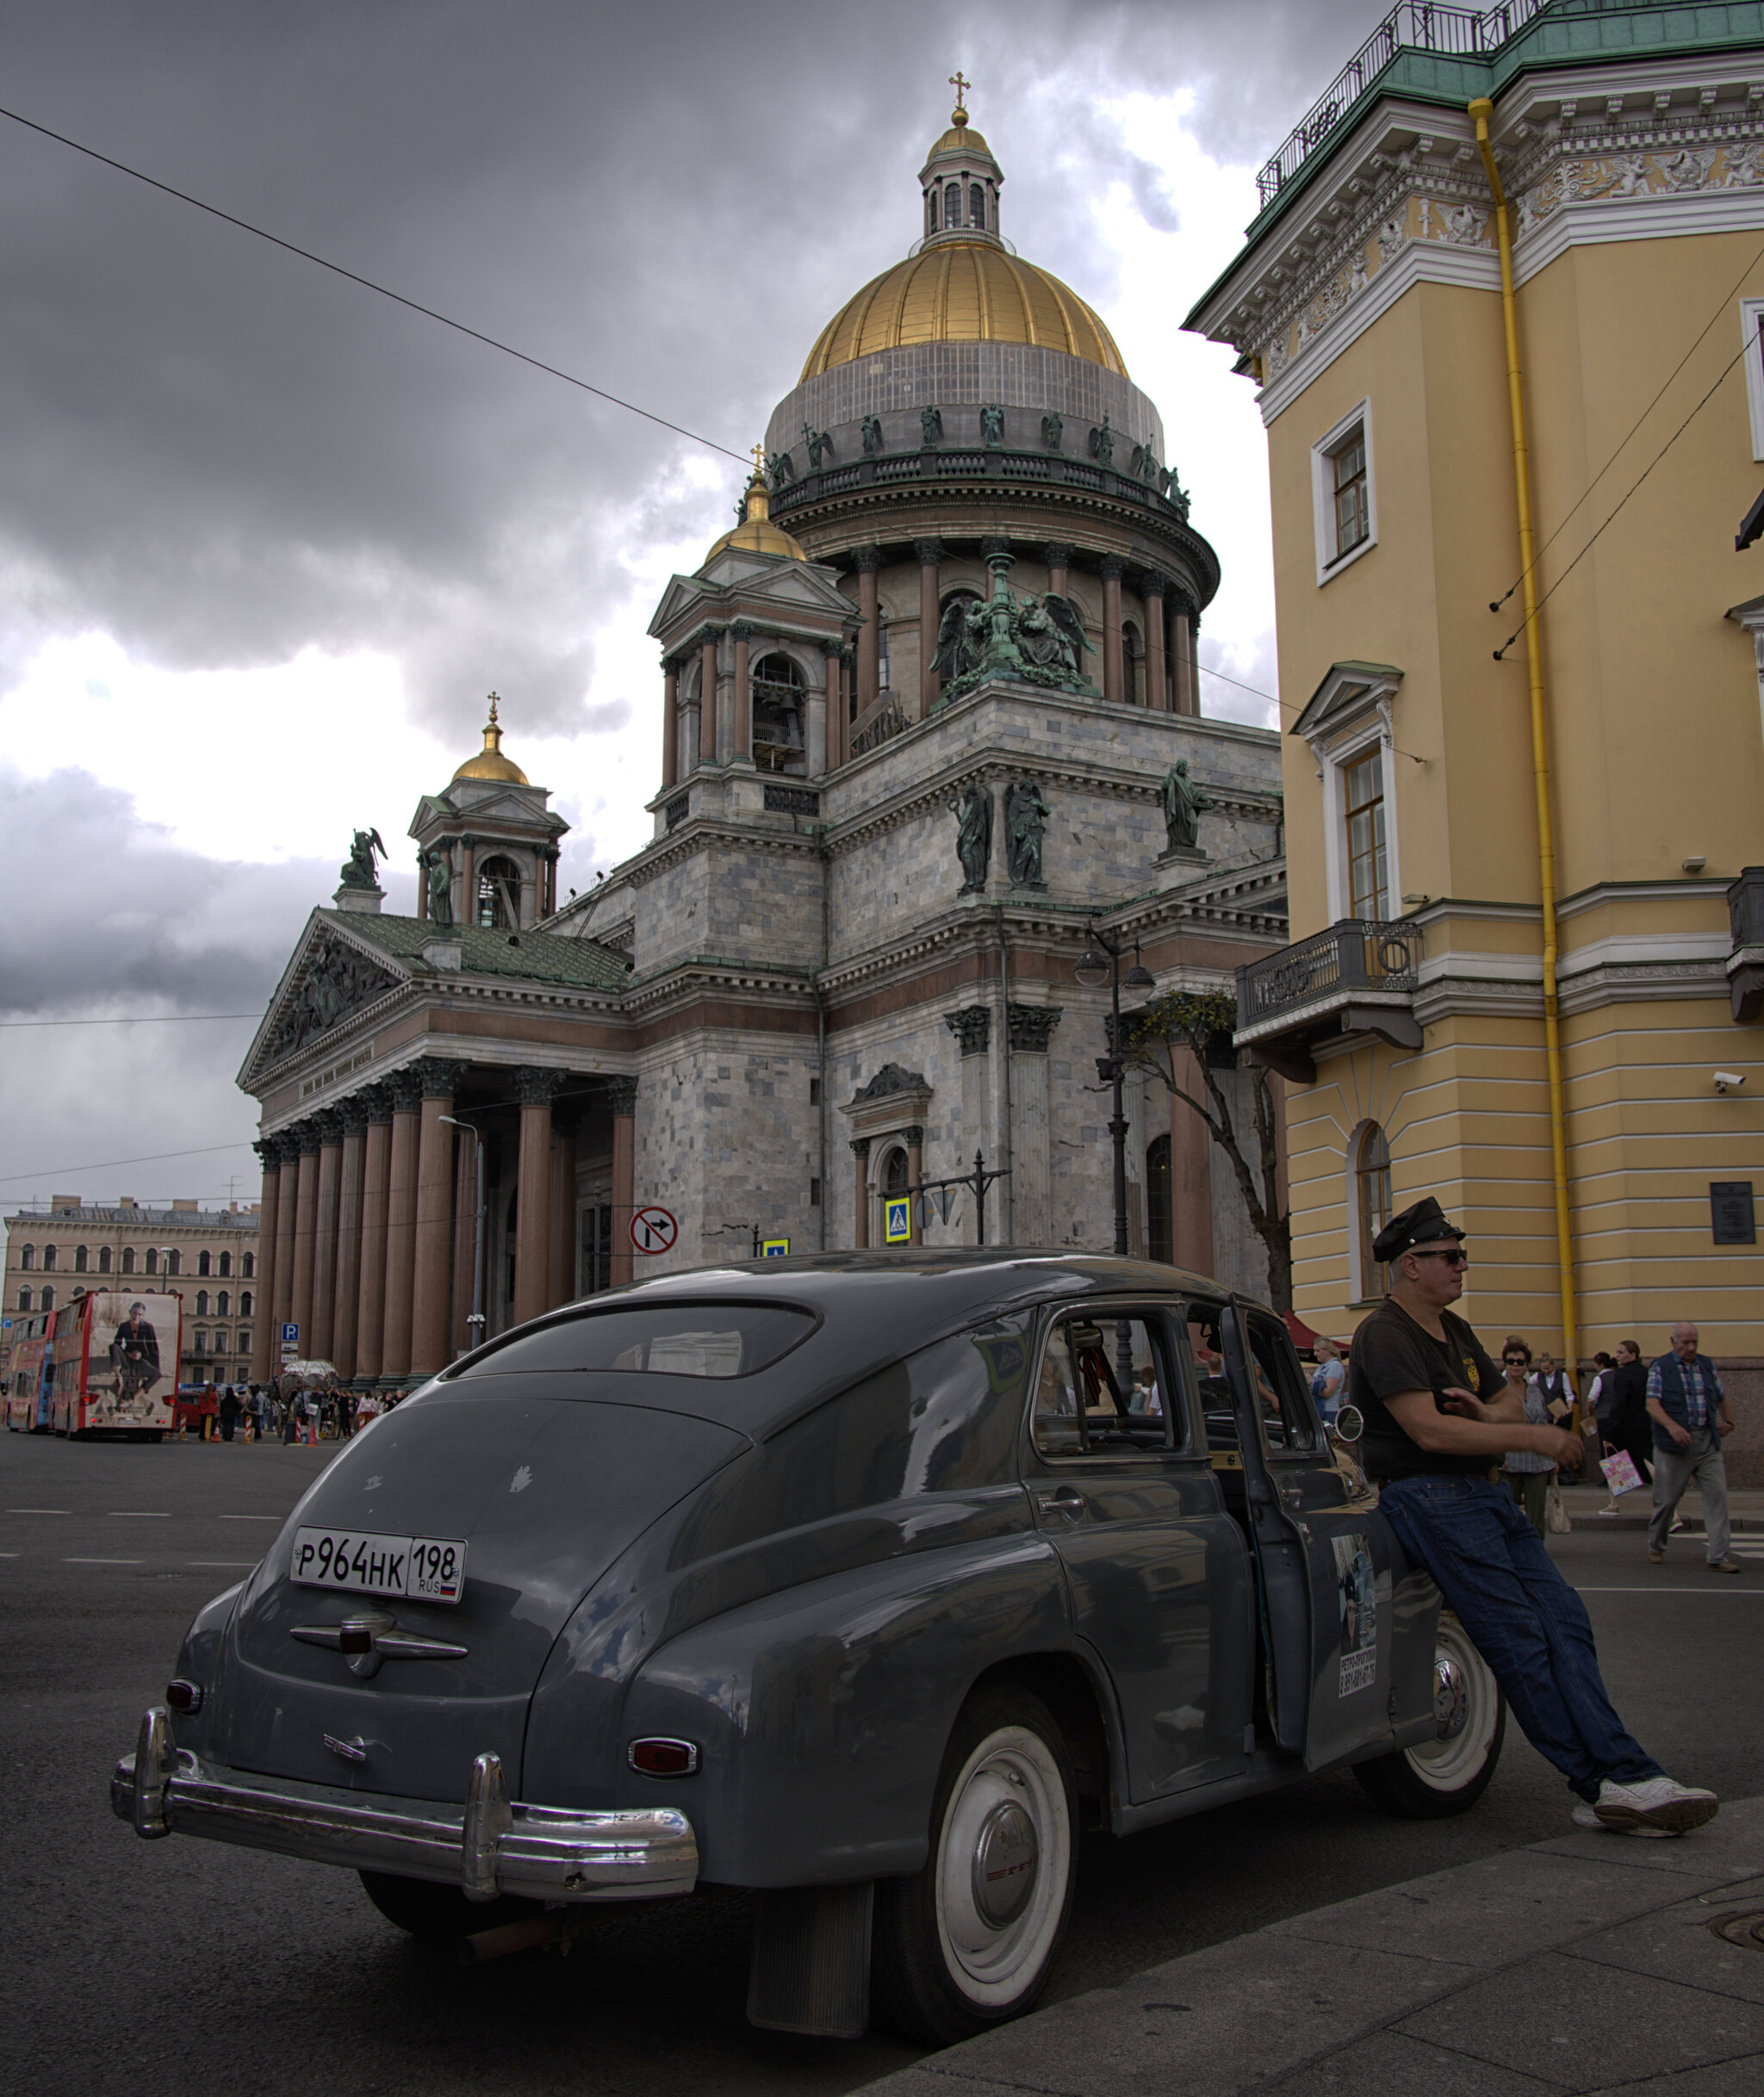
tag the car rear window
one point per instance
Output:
(721, 1339)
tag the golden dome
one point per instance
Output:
(490, 763)
(758, 534)
(963, 291)
(962, 139)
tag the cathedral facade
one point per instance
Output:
(921, 710)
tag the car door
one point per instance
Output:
(1323, 1551)
(1157, 1574)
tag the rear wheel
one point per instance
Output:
(1449, 1773)
(439, 1914)
(966, 1943)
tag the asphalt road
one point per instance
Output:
(210, 1969)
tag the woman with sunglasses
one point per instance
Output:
(1439, 1418)
(1527, 1474)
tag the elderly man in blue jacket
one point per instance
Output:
(1690, 1415)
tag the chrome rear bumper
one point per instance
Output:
(486, 1847)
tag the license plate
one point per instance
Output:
(351, 1561)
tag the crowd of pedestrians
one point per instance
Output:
(291, 1412)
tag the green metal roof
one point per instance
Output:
(527, 956)
(1559, 32)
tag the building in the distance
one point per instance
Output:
(920, 710)
(208, 1256)
(1410, 1017)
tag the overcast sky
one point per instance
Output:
(266, 540)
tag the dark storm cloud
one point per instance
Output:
(137, 922)
(221, 455)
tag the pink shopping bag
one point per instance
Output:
(1620, 1473)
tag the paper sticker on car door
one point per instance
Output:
(1358, 1589)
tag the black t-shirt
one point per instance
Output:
(1392, 1353)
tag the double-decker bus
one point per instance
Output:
(29, 1377)
(115, 1366)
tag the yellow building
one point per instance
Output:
(1411, 1012)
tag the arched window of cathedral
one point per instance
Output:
(1160, 1236)
(930, 211)
(104, 1259)
(27, 1257)
(499, 894)
(977, 206)
(894, 1173)
(1132, 661)
(24, 1300)
(203, 1261)
(49, 1252)
(226, 1266)
(884, 681)
(80, 1258)
(780, 703)
(128, 1259)
(201, 1303)
(952, 206)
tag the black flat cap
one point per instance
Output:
(1419, 1225)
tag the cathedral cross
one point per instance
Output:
(961, 87)
(759, 460)
(493, 708)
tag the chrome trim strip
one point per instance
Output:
(487, 1846)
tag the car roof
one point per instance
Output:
(874, 1308)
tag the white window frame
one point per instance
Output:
(1329, 564)
(1373, 733)
(1751, 311)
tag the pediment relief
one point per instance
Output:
(330, 981)
(1352, 694)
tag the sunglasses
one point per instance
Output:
(1456, 1257)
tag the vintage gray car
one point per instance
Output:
(865, 1581)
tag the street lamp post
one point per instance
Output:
(475, 1321)
(1099, 963)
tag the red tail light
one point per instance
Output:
(663, 1758)
(182, 1696)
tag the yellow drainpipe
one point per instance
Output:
(1481, 110)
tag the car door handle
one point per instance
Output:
(1068, 1502)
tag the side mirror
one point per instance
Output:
(1350, 1424)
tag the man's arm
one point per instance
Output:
(1491, 1432)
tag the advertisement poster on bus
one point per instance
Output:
(131, 1359)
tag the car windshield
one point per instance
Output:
(701, 1339)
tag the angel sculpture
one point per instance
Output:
(961, 639)
(357, 869)
(1050, 635)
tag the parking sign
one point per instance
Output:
(290, 1336)
(897, 1222)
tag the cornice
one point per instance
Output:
(698, 833)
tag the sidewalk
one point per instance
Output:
(1585, 1965)
(1745, 1508)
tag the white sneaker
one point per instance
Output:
(1584, 1816)
(1656, 1803)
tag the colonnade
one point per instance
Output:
(368, 1240)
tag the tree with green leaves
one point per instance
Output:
(1193, 1020)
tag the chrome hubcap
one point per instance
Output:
(1006, 1855)
(1451, 1698)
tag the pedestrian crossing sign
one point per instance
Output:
(897, 1222)
(774, 1248)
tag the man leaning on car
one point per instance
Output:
(1438, 1418)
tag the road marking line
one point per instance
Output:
(9, 1554)
(140, 1514)
(103, 1561)
(39, 1510)
(1754, 1592)
(223, 1565)
(250, 1518)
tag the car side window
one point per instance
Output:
(1207, 1350)
(1105, 1387)
(1280, 1395)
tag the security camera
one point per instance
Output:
(1724, 1079)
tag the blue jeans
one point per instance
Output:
(1524, 1620)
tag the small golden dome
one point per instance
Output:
(963, 291)
(962, 139)
(490, 763)
(759, 534)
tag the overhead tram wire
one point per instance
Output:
(368, 284)
(1634, 426)
(104, 1164)
(1256, 691)
(140, 1018)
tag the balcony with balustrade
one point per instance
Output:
(1358, 979)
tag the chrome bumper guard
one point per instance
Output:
(490, 1846)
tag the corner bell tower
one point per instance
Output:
(487, 847)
